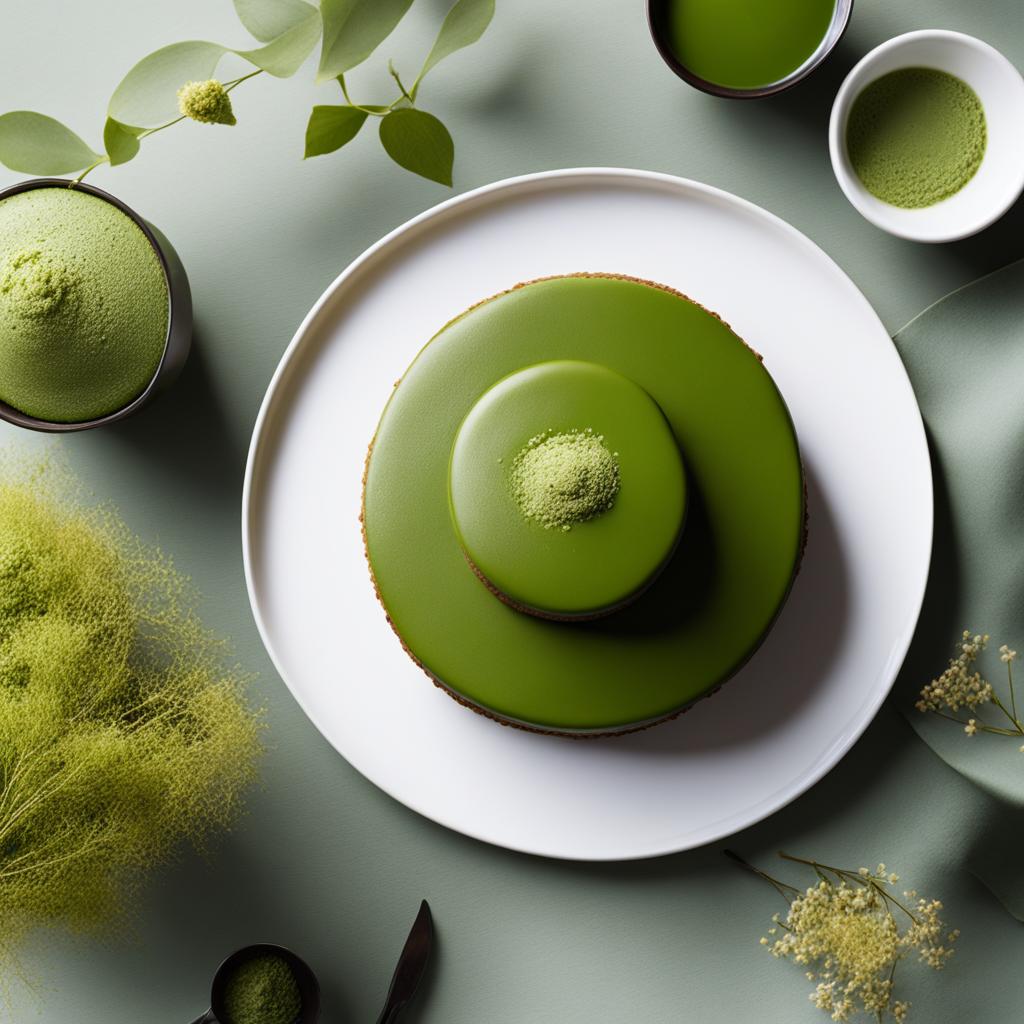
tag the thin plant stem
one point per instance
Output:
(228, 86)
(783, 888)
(1013, 696)
(92, 166)
(892, 975)
(892, 899)
(1016, 731)
(160, 127)
(853, 876)
(393, 71)
(984, 727)
(371, 111)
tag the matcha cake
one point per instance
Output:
(583, 507)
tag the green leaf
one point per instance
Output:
(148, 94)
(121, 141)
(330, 128)
(464, 24)
(36, 144)
(419, 142)
(268, 19)
(353, 29)
(284, 55)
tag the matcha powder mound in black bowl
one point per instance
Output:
(262, 990)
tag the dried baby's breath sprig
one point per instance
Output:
(849, 931)
(961, 688)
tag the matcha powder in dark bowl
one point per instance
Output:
(262, 990)
(84, 306)
(916, 136)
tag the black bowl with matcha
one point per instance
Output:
(95, 307)
(745, 49)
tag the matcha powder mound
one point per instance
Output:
(559, 480)
(916, 136)
(84, 305)
(262, 990)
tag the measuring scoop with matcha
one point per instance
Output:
(84, 305)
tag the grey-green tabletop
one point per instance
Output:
(323, 861)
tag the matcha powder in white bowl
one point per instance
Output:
(84, 306)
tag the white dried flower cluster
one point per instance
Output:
(846, 934)
(961, 685)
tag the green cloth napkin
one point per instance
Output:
(965, 357)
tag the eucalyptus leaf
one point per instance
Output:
(332, 127)
(284, 55)
(148, 94)
(419, 142)
(36, 144)
(121, 141)
(353, 29)
(268, 19)
(464, 24)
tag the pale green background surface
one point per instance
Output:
(324, 862)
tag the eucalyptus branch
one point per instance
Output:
(144, 103)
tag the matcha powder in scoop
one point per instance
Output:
(83, 306)
(262, 991)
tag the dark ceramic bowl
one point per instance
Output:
(309, 987)
(179, 320)
(658, 20)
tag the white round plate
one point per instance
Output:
(796, 707)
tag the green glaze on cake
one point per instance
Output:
(712, 604)
(83, 306)
(744, 44)
(559, 480)
(916, 136)
(576, 554)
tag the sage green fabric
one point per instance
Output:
(324, 862)
(965, 356)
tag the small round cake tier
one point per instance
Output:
(713, 602)
(567, 489)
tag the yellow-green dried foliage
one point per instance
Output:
(123, 729)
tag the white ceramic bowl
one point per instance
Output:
(999, 180)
